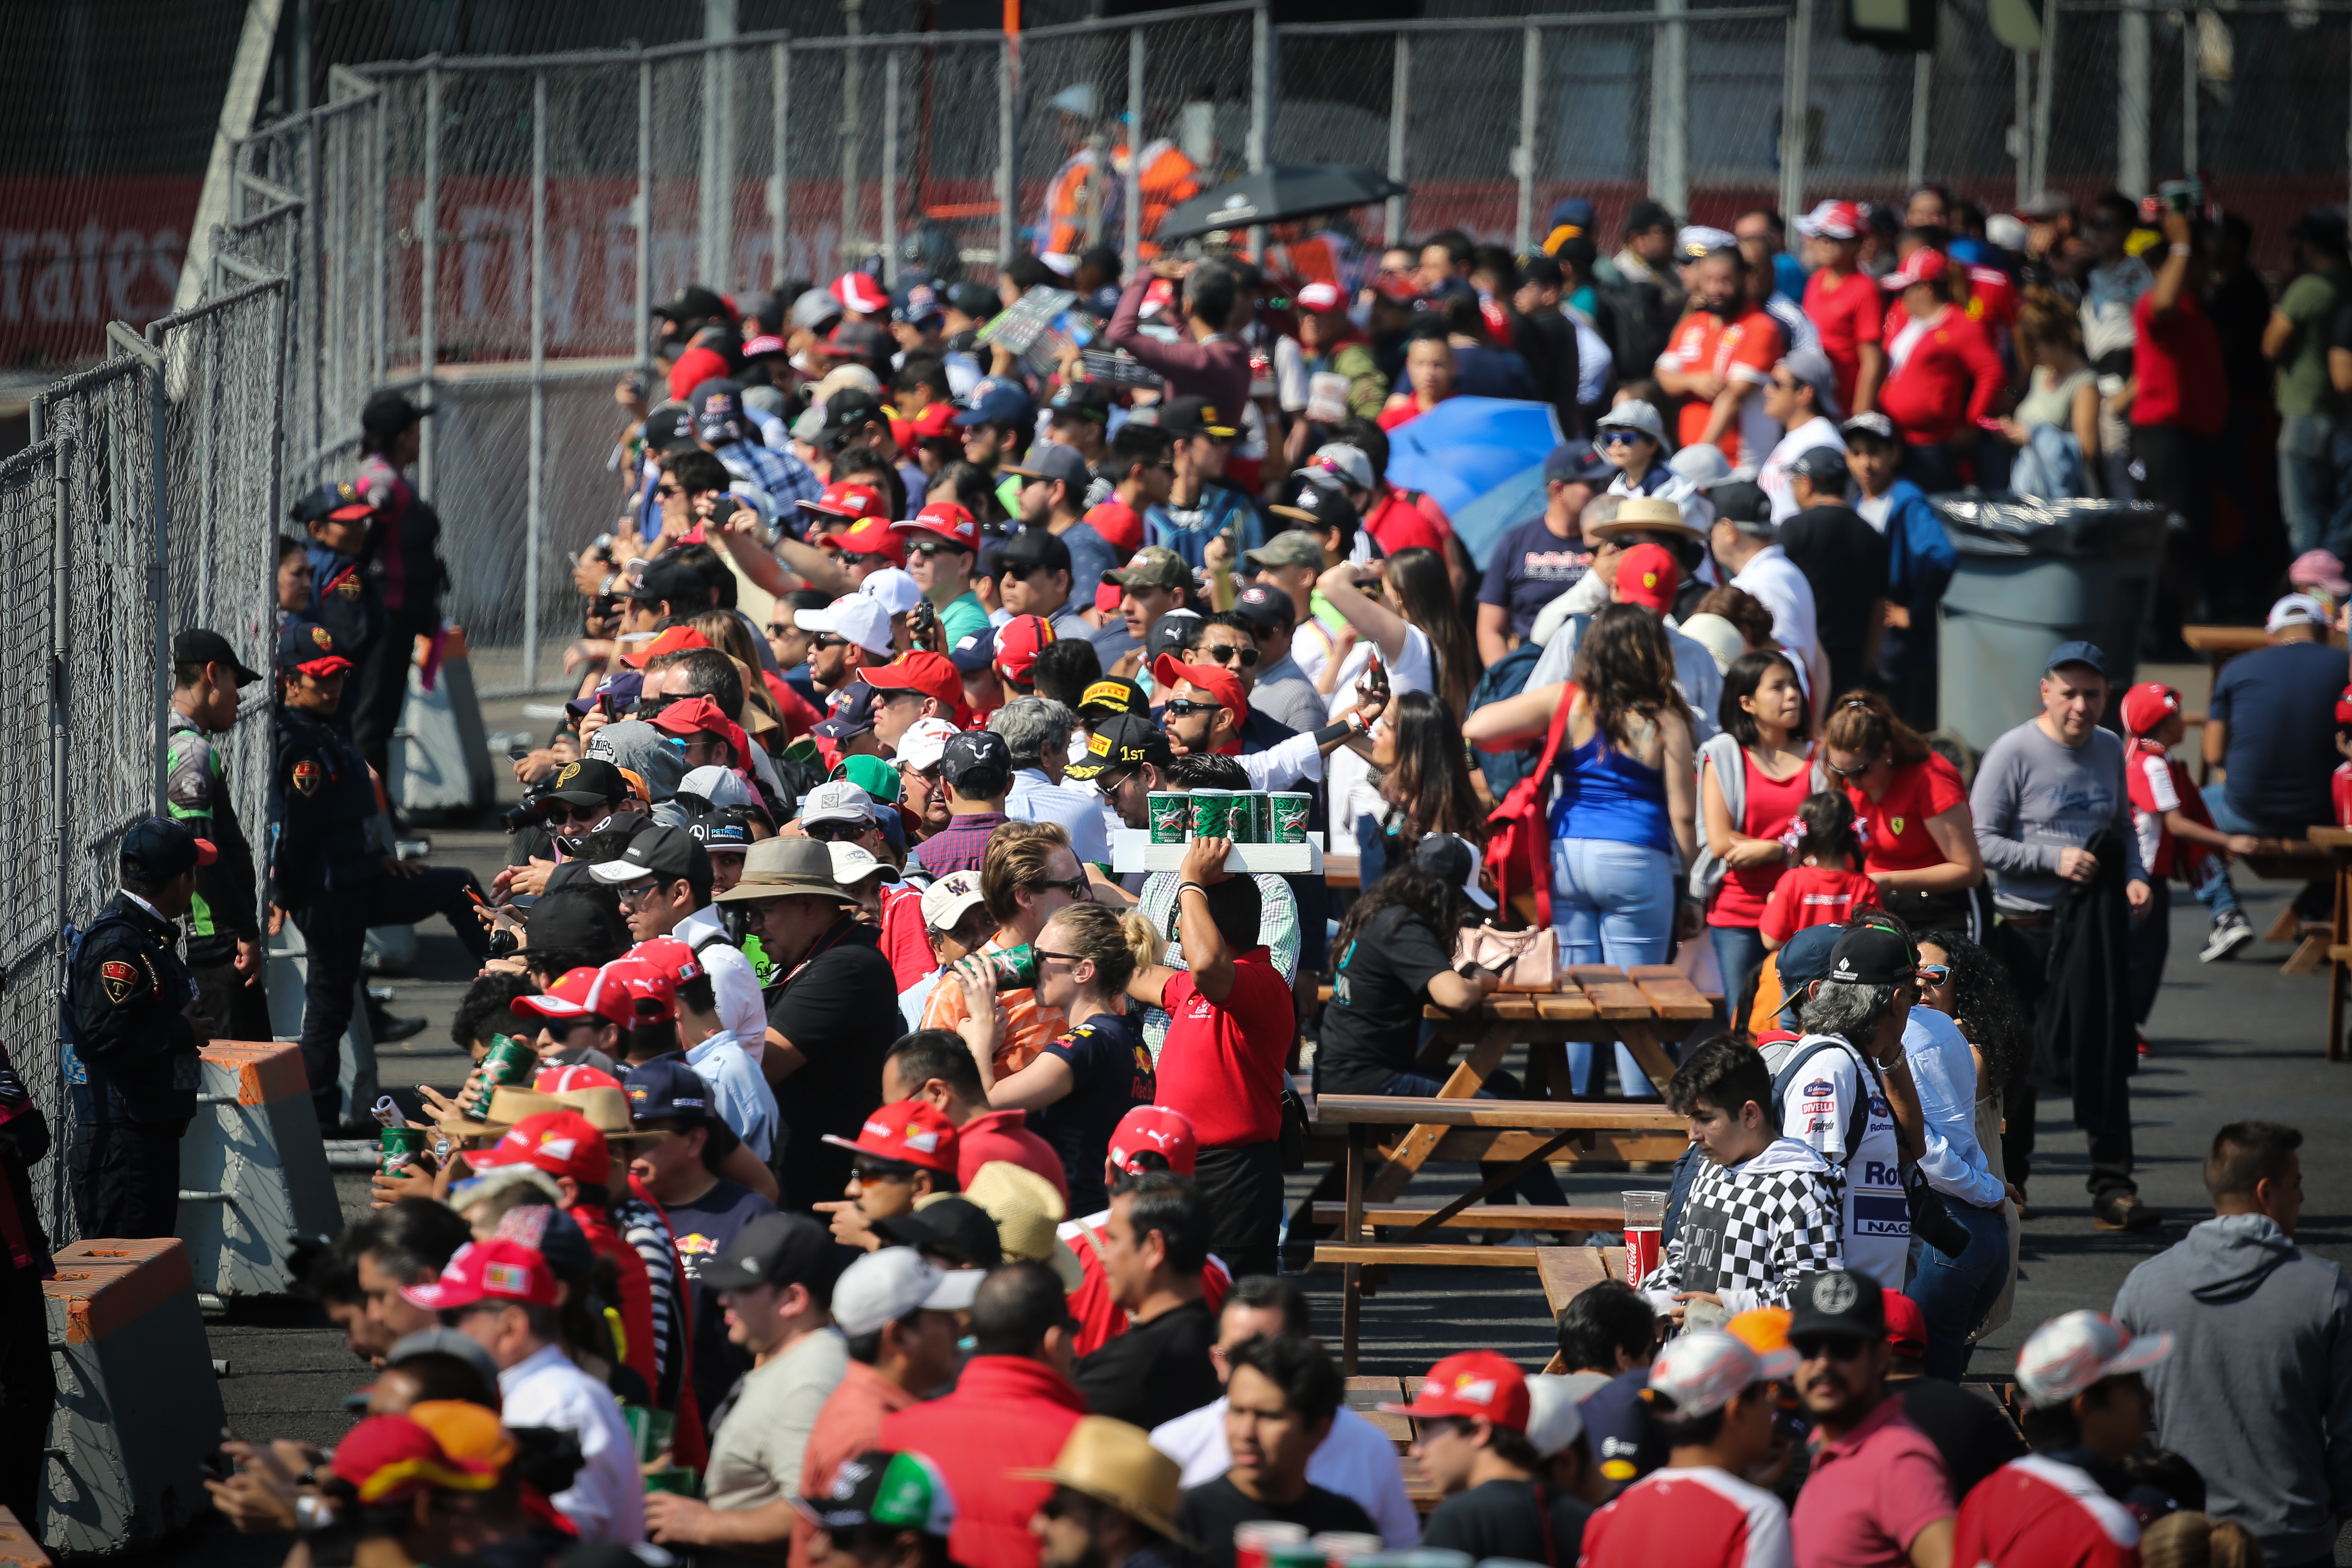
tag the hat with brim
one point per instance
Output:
(1645, 515)
(507, 1107)
(1028, 1213)
(607, 1110)
(783, 867)
(1114, 1463)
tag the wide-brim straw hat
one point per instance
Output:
(1115, 1463)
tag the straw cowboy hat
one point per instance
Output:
(1645, 515)
(1026, 1210)
(1115, 1463)
(607, 1110)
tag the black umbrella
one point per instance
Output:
(1269, 195)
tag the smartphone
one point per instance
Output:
(612, 710)
(2182, 195)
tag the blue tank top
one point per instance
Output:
(1609, 795)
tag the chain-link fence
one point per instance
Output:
(142, 507)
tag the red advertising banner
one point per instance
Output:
(75, 254)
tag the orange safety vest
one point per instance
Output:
(1168, 177)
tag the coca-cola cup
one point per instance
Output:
(1256, 1542)
(1645, 1218)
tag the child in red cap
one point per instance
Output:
(2177, 836)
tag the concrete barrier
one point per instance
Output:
(138, 1410)
(18, 1547)
(287, 971)
(440, 755)
(252, 1170)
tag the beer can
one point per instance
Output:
(397, 1148)
(509, 1063)
(677, 1480)
(1015, 968)
(1212, 814)
(1253, 819)
(1171, 817)
(1289, 809)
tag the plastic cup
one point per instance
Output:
(1645, 1218)
(1256, 1541)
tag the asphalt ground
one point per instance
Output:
(2231, 1040)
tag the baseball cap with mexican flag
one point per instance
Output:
(493, 1270)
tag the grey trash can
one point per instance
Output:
(2032, 575)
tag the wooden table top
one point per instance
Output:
(1595, 991)
(1530, 1115)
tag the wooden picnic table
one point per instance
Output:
(2338, 843)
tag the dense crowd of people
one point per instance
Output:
(863, 1158)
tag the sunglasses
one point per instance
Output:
(1184, 707)
(1024, 570)
(1935, 973)
(1620, 437)
(1826, 1347)
(929, 547)
(826, 640)
(868, 1173)
(834, 832)
(1076, 886)
(667, 492)
(1227, 653)
(635, 891)
(1853, 772)
(1064, 957)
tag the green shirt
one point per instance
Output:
(2311, 302)
(963, 617)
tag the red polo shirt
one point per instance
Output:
(1222, 1064)
(1005, 1135)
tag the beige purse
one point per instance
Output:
(1528, 959)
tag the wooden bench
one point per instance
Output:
(2305, 859)
(1483, 1216)
(1365, 1396)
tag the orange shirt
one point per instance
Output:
(1744, 348)
(1028, 1027)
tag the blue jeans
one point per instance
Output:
(1955, 1293)
(2307, 478)
(1611, 904)
(1740, 953)
(1537, 1184)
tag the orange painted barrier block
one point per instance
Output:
(252, 1170)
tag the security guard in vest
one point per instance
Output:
(345, 597)
(132, 1067)
(327, 869)
(224, 948)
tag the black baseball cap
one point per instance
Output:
(310, 648)
(974, 651)
(1648, 215)
(669, 581)
(1082, 400)
(1838, 1304)
(1736, 500)
(1167, 631)
(954, 1225)
(690, 303)
(198, 646)
(1872, 954)
(1182, 416)
(664, 853)
(669, 427)
(973, 299)
(1112, 694)
(1820, 463)
(387, 413)
(1803, 959)
(340, 500)
(773, 1249)
(591, 781)
(159, 849)
(1265, 607)
(2078, 653)
(667, 1090)
(854, 717)
(1122, 741)
(970, 752)
(1577, 465)
(851, 408)
(1541, 270)
(574, 919)
(1034, 547)
(726, 830)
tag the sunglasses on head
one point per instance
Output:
(1226, 652)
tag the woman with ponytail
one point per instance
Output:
(1080, 1083)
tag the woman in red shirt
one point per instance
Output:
(1429, 369)
(1231, 1024)
(1942, 375)
(1763, 759)
(1918, 838)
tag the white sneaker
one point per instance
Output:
(2230, 933)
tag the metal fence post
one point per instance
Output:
(61, 732)
(428, 322)
(1796, 107)
(535, 497)
(1923, 73)
(2045, 86)
(2191, 23)
(2132, 99)
(779, 66)
(1008, 154)
(2020, 144)
(891, 67)
(718, 161)
(1670, 109)
(380, 198)
(1133, 247)
(643, 213)
(850, 204)
(1399, 112)
(1261, 105)
(1523, 156)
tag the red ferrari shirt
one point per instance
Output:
(1222, 1062)
(1814, 896)
(1894, 827)
(1847, 315)
(1100, 1319)
(1744, 349)
(2036, 1512)
(1696, 1518)
(1402, 520)
(2177, 359)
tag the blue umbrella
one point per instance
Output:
(1482, 459)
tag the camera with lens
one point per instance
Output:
(517, 817)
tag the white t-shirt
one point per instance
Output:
(1772, 479)
(1347, 786)
(606, 1499)
(1875, 1216)
(734, 984)
(1772, 580)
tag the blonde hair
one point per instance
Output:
(1118, 944)
(2198, 1541)
(1016, 859)
(724, 630)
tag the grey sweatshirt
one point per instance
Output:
(2257, 1392)
(2035, 799)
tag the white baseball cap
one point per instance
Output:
(1343, 459)
(1699, 240)
(862, 620)
(949, 899)
(925, 739)
(2076, 1349)
(836, 800)
(2297, 610)
(719, 786)
(1634, 415)
(884, 1287)
(1705, 1369)
(853, 863)
(893, 588)
(1553, 1420)
(1701, 465)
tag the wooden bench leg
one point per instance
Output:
(2283, 928)
(2310, 951)
(1385, 1184)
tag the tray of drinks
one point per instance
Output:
(1135, 850)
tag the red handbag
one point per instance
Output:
(1519, 839)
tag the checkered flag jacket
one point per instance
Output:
(1748, 1231)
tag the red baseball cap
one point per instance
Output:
(1319, 296)
(1108, 594)
(909, 1132)
(1226, 687)
(493, 1270)
(1019, 641)
(1906, 1325)
(932, 674)
(1832, 220)
(392, 1458)
(561, 1142)
(1395, 286)
(2150, 704)
(565, 1001)
(1925, 266)
(674, 640)
(932, 423)
(1473, 1383)
(851, 499)
(2343, 706)
(670, 955)
(634, 991)
(1647, 576)
(701, 715)
(945, 518)
(1159, 1129)
(859, 292)
(570, 1080)
(871, 536)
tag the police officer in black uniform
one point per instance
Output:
(326, 869)
(132, 1066)
(345, 597)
